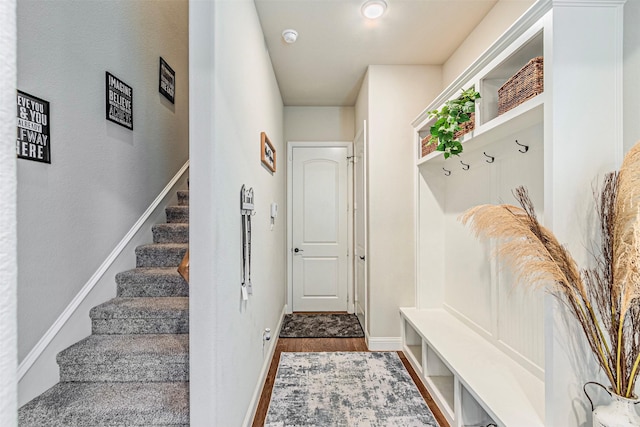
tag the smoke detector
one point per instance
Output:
(290, 36)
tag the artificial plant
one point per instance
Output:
(448, 121)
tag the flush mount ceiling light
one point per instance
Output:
(290, 36)
(374, 9)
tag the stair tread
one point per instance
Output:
(95, 404)
(163, 246)
(104, 349)
(151, 281)
(141, 307)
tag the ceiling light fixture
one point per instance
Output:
(290, 36)
(374, 9)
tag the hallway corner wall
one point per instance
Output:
(391, 97)
(73, 212)
(234, 97)
(8, 184)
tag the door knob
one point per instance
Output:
(296, 250)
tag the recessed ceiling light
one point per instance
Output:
(374, 9)
(290, 36)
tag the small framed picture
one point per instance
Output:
(167, 81)
(267, 152)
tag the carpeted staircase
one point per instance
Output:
(134, 368)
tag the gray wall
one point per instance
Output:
(73, 212)
(319, 123)
(8, 269)
(234, 97)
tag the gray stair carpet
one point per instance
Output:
(133, 370)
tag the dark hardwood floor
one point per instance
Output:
(328, 344)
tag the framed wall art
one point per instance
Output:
(167, 81)
(267, 152)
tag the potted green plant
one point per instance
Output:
(448, 120)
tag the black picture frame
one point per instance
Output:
(167, 81)
(118, 101)
(33, 141)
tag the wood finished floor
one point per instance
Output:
(328, 344)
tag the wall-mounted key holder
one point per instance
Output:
(246, 212)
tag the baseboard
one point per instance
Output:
(257, 393)
(384, 343)
(37, 351)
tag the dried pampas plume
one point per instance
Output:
(605, 299)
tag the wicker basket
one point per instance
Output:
(466, 127)
(525, 84)
(426, 147)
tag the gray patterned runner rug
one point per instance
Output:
(348, 389)
(329, 325)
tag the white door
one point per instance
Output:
(319, 234)
(360, 225)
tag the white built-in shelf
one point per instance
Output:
(521, 117)
(508, 393)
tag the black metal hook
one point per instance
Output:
(526, 147)
(464, 166)
(493, 159)
(446, 172)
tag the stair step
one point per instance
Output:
(125, 358)
(170, 233)
(151, 282)
(159, 315)
(177, 214)
(160, 254)
(183, 197)
(112, 404)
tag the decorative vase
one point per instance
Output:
(620, 412)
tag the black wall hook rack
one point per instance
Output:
(491, 158)
(446, 172)
(524, 148)
(464, 166)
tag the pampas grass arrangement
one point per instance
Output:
(604, 299)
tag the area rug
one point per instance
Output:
(330, 325)
(347, 389)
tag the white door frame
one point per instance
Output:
(319, 144)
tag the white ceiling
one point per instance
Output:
(336, 43)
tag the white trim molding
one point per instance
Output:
(384, 343)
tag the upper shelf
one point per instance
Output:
(521, 117)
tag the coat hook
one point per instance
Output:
(464, 165)
(526, 147)
(446, 172)
(492, 158)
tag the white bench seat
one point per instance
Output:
(510, 394)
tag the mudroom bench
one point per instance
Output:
(472, 382)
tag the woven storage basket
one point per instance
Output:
(466, 127)
(426, 147)
(525, 84)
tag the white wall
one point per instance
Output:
(396, 95)
(319, 123)
(234, 97)
(494, 24)
(631, 71)
(73, 212)
(8, 268)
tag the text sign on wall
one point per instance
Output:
(167, 81)
(33, 141)
(119, 101)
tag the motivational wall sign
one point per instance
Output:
(119, 98)
(33, 141)
(167, 81)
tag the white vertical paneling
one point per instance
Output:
(520, 323)
(467, 263)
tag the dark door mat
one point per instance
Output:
(330, 325)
